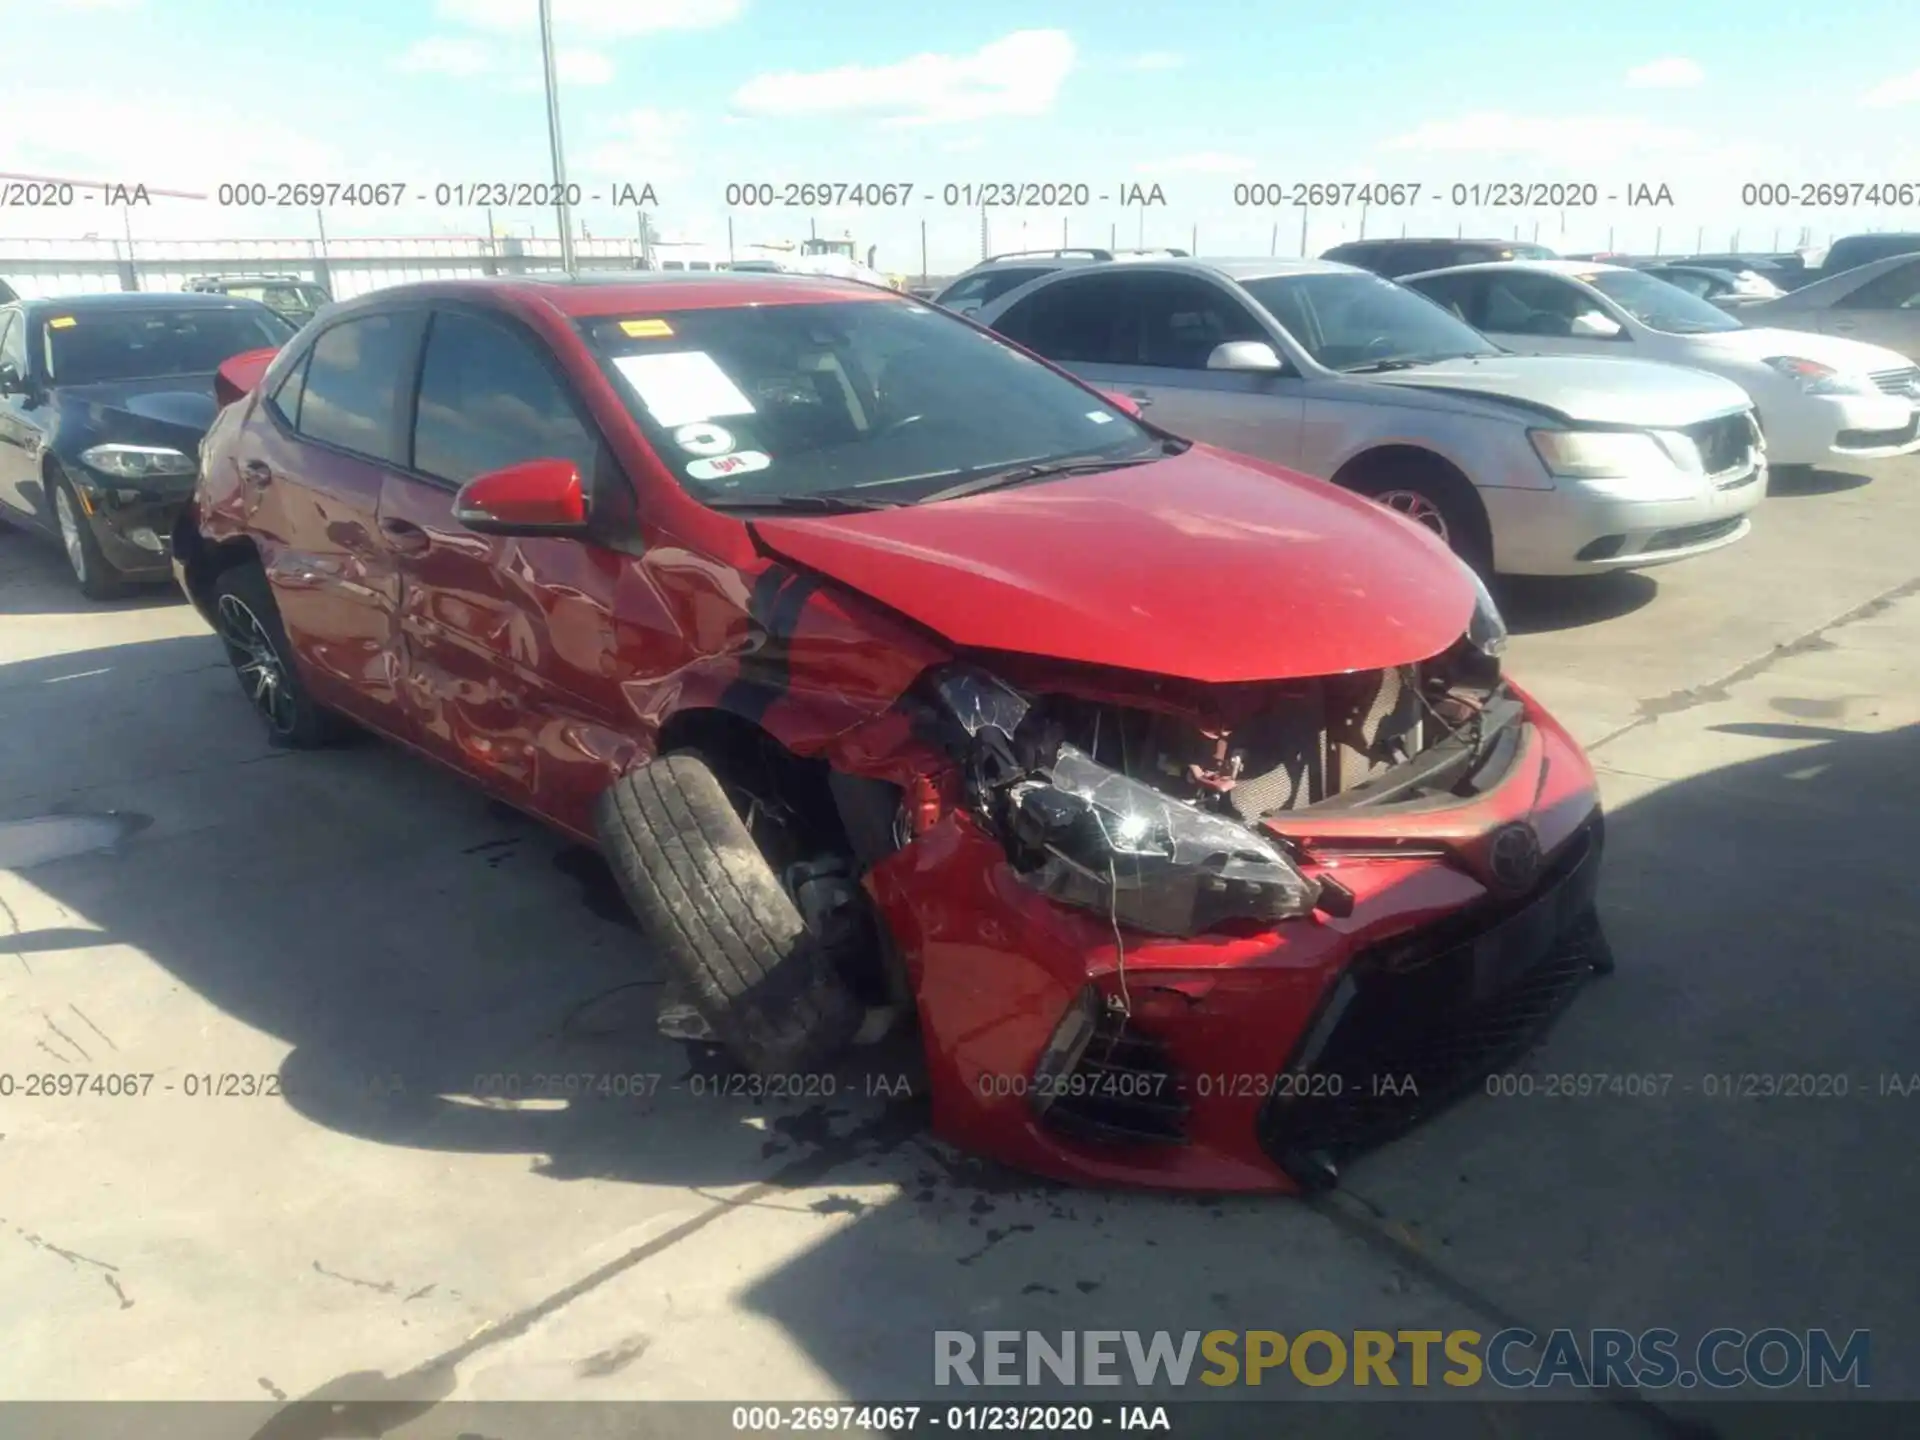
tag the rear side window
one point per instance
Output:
(488, 400)
(285, 399)
(988, 285)
(13, 342)
(354, 383)
(1898, 289)
(1086, 320)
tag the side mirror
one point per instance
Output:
(1122, 402)
(539, 497)
(1592, 325)
(1252, 356)
(12, 382)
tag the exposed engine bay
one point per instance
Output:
(1149, 813)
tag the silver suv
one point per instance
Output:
(997, 274)
(1529, 465)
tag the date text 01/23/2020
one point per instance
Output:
(1459, 195)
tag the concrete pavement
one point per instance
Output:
(372, 950)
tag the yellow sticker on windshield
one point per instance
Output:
(63, 322)
(1588, 276)
(646, 329)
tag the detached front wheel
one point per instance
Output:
(726, 927)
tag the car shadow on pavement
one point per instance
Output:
(439, 966)
(34, 580)
(1533, 605)
(1805, 481)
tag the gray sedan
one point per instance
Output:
(1878, 302)
(1524, 464)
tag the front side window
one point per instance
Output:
(891, 399)
(1185, 318)
(1462, 296)
(354, 382)
(1694, 282)
(488, 401)
(1660, 306)
(89, 346)
(1353, 322)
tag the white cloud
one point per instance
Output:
(1670, 73)
(640, 147)
(444, 55)
(583, 67)
(600, 18)
(1901, 90)
(1154, 60)
(1569, 141)
(1201, 162)
(1019, 74)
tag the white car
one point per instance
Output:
(1819, 398)
(1878, 302)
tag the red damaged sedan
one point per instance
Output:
(1181, 799)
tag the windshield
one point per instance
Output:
(879, 400)
(1658, 305)
(1349, 321)
(91, 346)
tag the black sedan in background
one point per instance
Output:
(103, 401)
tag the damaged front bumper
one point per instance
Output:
(1116, 987)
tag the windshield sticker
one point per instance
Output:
(1100, 417)
(64, 322)
(1589, 276)
(645, 329)
(724, 465)
(703, 439)
(682, 386)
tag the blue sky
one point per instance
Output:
(1197, 97)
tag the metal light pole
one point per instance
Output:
(561, 209)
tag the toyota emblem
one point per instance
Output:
(1513, 855)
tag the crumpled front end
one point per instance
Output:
(1223, 937)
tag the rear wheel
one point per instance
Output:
(729, 931)
(248, 624)
(98, 580)
(1436, 498)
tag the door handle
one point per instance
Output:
(258, 471)
(404, 536)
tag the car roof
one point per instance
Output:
(103, 300)
(1418, 240)
(1550, 267)
(599, 293)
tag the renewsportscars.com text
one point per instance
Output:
(1514, 1359)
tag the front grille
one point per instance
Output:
(1123, 1091)
(1724, 444)
(1414, 1024)
(1682, 537)
(1898, 382)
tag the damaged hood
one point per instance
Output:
(1594, 390)
(1205, 566)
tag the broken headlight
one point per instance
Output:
(1093, 838)
(1487, 630)
(1089, 836)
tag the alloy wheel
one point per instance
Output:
(70, 532)
(257, 662)
(1417, 508)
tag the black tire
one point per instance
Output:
(92, 571)
(248, 624)
(1434, 496)
(703, 891)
